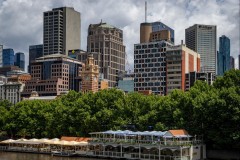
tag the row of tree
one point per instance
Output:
(211, 111)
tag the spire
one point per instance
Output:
(145, 11)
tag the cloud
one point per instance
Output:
(21, 20)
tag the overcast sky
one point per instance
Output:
(21, 21)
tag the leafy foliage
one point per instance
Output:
(211, 111)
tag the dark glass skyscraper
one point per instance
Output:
(19, 60)
(223, 57)
(8, 57)
(35, 51)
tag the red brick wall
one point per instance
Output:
(191, 63)
(198, 64)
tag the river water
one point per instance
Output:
(30, 156)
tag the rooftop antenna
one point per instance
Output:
(145, 11)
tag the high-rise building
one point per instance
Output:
(202, 39)
(90, 75)
(8, 57)
(53, 74)
(223, 55)
(156, 31)
(35, 51)
(1, 55)
(150, 67)
(107, 42)
(150, 58)
(232, 62)
(179, 61)
(61, 30)
(19, 60)
(192, 77)
(159, 26)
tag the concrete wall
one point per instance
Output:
(72, 27)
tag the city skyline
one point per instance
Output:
(127, 16)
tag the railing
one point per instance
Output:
(3, 148)
(156, 157)
(23, 149)
(107, 154)
(145, 142)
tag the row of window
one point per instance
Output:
(149, 65)
(157, 74)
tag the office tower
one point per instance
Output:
(61, 30)
(1, 55)
(179, 61)
(90, 75)
(223, 55)
(53, 74)
(150, 58)
(202, 39)
(19, 60)
(159, 26)
(150, 66)
(8, 57)
(35, 51)
(107, 42)
(192, 77)
(232, 62)
(156, 31)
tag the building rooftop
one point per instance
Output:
(102, 25)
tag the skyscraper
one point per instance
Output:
(232, 62)
(159, 26)
(8, 57)
(19, 60)
(154, 31)
(1, 55)
(202, 39)
(61, 30)
(107, 41)
(179, 61)
(223, 56)
(35, 51)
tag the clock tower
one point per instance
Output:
(90, 75)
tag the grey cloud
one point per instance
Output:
(21, 20)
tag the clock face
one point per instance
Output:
(86, 78)
(95, 78)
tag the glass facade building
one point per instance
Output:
(203, 40)
(223, 56)
(19, 60)
(8, 57)
(35, 51)
(159, 26)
